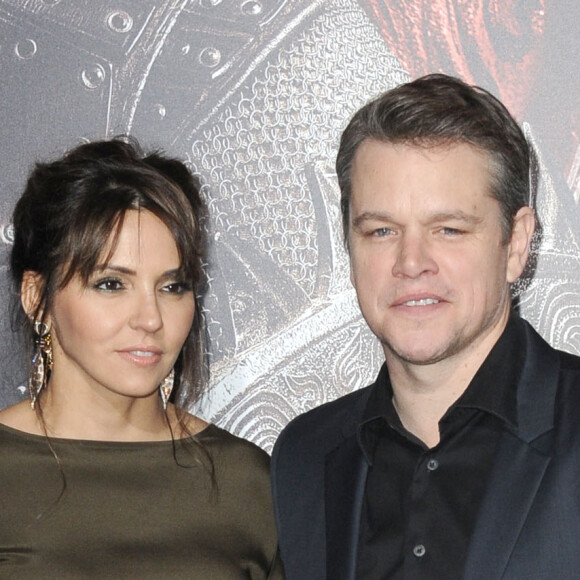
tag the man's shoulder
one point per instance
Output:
(320, 429)
(330, 415)
(569, 361)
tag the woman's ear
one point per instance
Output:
(31, 293)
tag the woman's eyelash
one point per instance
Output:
(111, 284)
(108, 284)
(178, 287)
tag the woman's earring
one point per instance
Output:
(41, 361)
(166, 387)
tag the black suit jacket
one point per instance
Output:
(528, 525)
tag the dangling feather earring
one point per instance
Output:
(166, 387)
(41, 361)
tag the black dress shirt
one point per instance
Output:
(421, 504)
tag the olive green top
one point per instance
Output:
(142, 510)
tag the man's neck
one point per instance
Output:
(422, 394)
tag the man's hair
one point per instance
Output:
(439, 110)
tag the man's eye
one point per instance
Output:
(451, 231)
(380, 232)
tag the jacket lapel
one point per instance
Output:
(345, 477)
(517, 474)
(519, 466)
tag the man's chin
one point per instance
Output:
(415, 354)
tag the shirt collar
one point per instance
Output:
(494, 387)
(492, 390)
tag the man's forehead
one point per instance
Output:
(452, 161)
(422, 145)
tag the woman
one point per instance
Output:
(102, 475)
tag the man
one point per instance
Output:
(462, 460)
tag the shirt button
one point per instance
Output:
(432, 464)
(419, 550)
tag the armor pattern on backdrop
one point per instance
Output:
(255, 93)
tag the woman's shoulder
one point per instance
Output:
(20, 417)
(242, 473)
(213, 436)
(225, 446)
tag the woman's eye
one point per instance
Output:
(108, 285)
(177, 288)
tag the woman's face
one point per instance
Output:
(119, 335)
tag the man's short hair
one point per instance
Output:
(438, 110)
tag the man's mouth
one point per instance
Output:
(422, 302)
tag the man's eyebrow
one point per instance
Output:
(371, 216)
(443, 216)
(457, 215)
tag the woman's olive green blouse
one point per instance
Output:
(135, 510)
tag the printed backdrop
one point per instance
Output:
(254, 94)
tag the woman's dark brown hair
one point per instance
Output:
(74, 207)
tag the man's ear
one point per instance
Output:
(31, 293)
(520, 242)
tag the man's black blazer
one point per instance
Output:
(528, 525)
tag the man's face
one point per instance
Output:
(428, 260)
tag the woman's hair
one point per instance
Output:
(74, 207)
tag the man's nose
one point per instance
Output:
(414, 256)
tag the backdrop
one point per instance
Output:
(253, 94)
